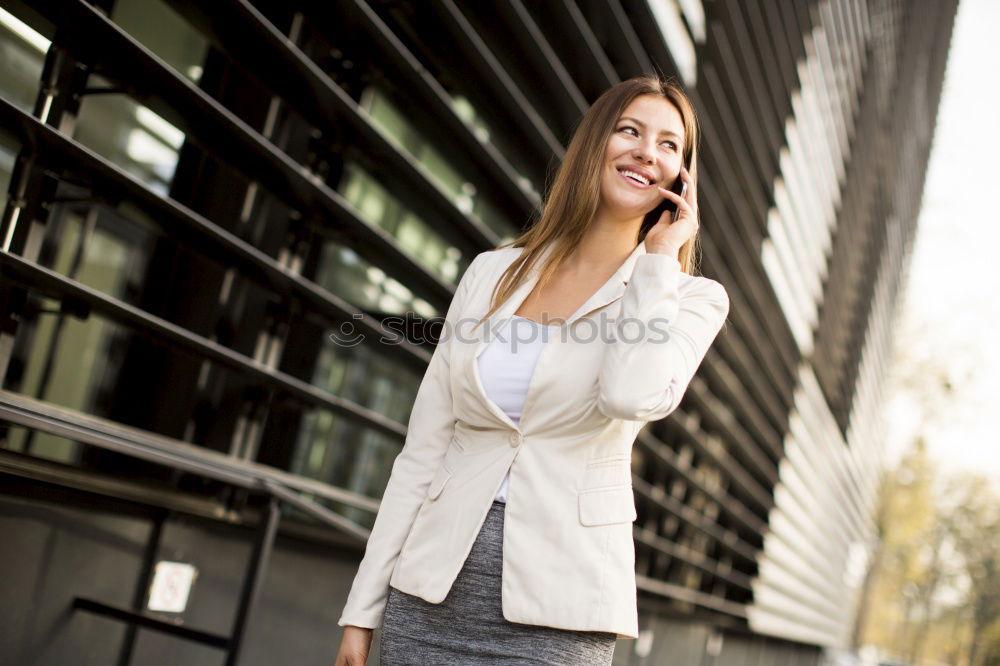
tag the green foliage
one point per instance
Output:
(933, 592)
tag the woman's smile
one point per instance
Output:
(635, 179)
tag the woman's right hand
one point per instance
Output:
(667, 236)
(354, 646)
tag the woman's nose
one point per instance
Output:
(645, 153)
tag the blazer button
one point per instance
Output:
(515, 439)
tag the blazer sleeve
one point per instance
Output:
(428, 435)
(660, 340)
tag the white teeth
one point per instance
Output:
(642, 179)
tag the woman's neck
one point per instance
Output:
(604, 248)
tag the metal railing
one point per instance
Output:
(277, 487)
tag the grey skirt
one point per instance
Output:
(469, 628)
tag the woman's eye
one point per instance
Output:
(671, 144)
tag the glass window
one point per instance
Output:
(480, 128)
(6, 169)
(406, 138)
(343, 272)
(159, 29)
(338, 451)
(376, 205)
(22, 52)
(63, 366)
(62, 359)
(130, 136)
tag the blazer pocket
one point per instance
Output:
(608, 471)
(606, 506)
(438, 482)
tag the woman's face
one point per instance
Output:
(648, 140)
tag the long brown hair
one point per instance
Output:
(572, 201)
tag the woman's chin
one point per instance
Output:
(632, 209)
(627, 206)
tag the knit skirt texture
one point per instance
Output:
(469, 628)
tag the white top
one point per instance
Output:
(506, 366)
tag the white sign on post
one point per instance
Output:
(171, 587)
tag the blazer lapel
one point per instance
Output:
(608, 293)
(612, 290)
(492, 326)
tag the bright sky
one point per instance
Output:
(951, 315)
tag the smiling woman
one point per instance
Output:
(594, 213)
(650, 130)
(505, 532)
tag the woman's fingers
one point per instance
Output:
(679, 200)
(689, 202)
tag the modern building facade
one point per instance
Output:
(203, 200)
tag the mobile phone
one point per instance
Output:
(678, 187)
(681, 193)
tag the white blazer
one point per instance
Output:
(568, 553)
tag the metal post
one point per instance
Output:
(254, 580)
(142, 587)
